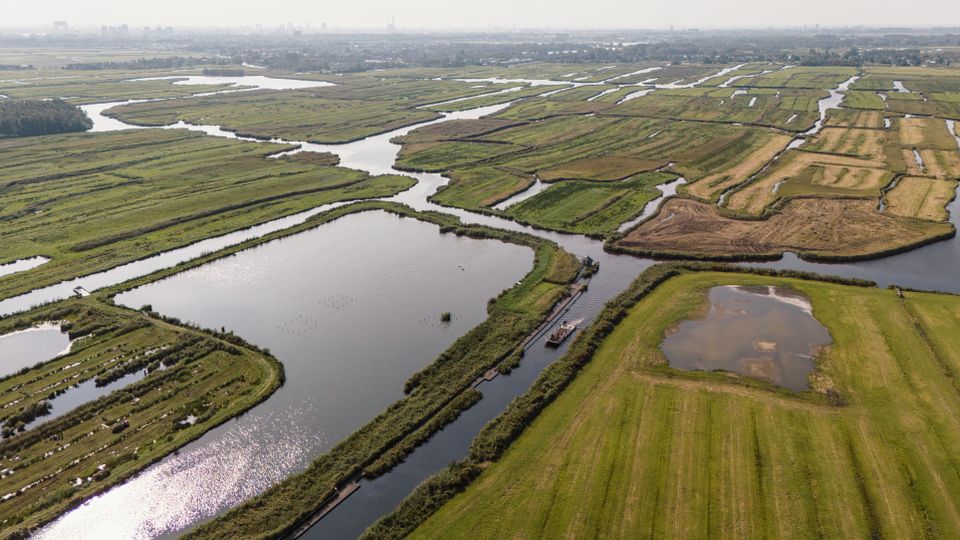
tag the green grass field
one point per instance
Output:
(589, 207)
(633, 448)
(480, 187)
(93, 201)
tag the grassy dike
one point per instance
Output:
(211, 377)
(499, 435)
(436, 394)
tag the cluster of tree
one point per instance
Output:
(15, 67)
(23, 118)
(855, 57)
(147, 63)
(223, 72)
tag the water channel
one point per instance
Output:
(241, 458)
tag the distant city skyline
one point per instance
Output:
(505, 14)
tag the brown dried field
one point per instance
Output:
(844, 178)
(925, 133)
(924, 198)
(711, 186)
(757, 196)
(854, 119)
(863, 143)
(939, 163)
(814, 226)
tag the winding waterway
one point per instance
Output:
(187, 489)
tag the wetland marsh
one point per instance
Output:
(352, 305)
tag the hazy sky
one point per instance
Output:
(414, 14)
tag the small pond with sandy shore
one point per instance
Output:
(768, 333)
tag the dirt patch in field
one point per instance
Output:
(823, 227)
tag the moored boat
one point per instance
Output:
(562, 332)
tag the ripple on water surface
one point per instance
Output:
(764, 332)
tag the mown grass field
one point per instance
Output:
(634, 449)
(589, 207)
(800, 173)
(93, 201)
(924, 198)
(853, 162)
(191, 374)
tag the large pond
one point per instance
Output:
(351, 308)
(767, 333)
(28, 347)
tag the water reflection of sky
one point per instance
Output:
(764, 332)
(27, 347)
